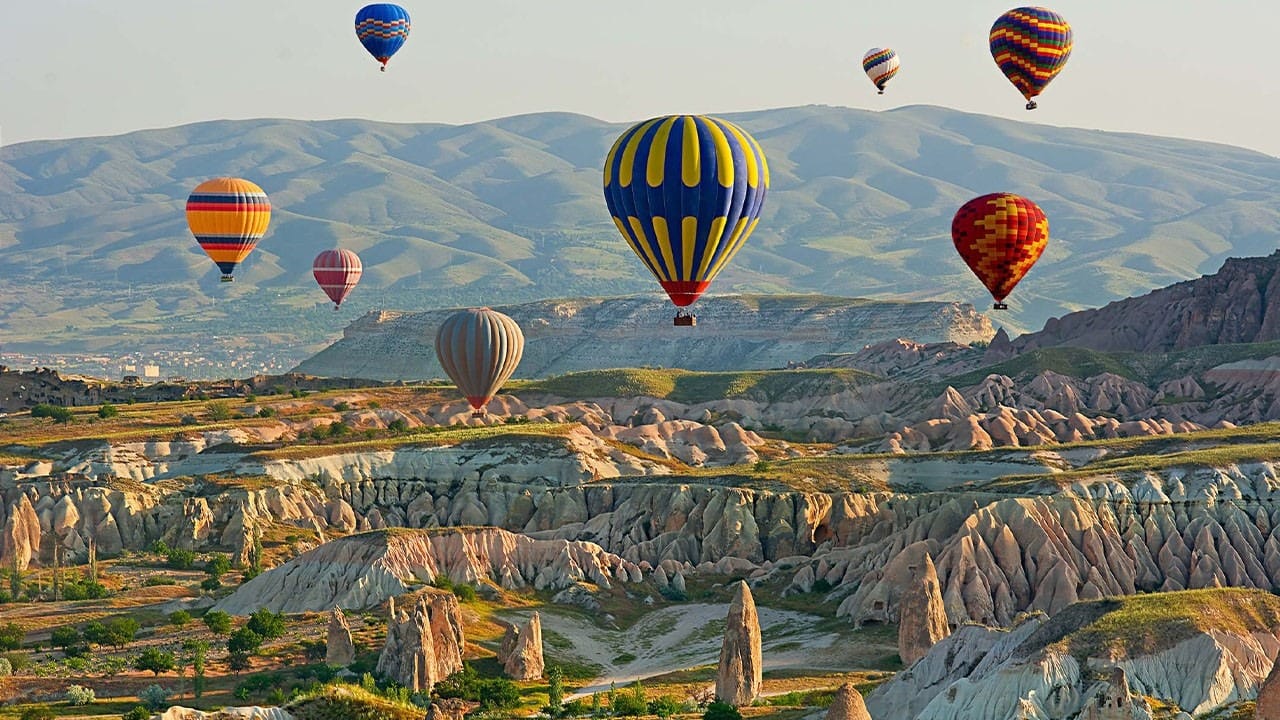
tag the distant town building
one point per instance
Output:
(151, 371)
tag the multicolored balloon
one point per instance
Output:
(337, 272)
(382, 28)
(479, 349)
(1000, 236)
(1031, 45)
(228, 216)
(880, 64)
(685, 192)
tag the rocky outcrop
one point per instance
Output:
(923, 618)
(450, 709)
(981, 673)
(424, 643)
(848, 705)
(1268, 705)
(340, 651)
(1238, 304)
(739, 677)
(735, 333)
(363, 570)
(231, 713)
(521, 651)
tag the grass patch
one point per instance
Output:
(687, 386)
(426, 437)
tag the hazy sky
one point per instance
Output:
(88, 67)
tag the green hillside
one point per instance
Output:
(97, 254)
(694, 387)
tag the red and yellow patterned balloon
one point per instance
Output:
(1000, 236)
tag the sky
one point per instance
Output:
(1184, 68)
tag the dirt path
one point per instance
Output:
(686, 636)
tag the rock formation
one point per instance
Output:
(1268, 705)
(450, 709)
(923, 618)
(422, 645)
(568, 335)
(340, 651)
(848, 705)
(521, 651)
(363, 570)
(739, 677)
(1113, 700)
(231, 713)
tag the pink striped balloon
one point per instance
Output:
(337, 272)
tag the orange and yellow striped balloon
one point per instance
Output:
(228, 216)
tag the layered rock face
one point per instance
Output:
(1238, 304)
(231, 713)
(739, 678)
(733, 333)
(521, 651)
(363, 570)
(923, 619)
(340, 651)
(424, 644)
(1268, 705)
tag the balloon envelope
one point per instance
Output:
(685, 192)
(880, 64)
(228, 216)
(1031, 45)
(382, 29)
(479, 348)
(337, 272)
(1000, 236)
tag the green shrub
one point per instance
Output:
(38, 712)
(721, 711)
(79, 696)
(267, 624)
(180, 559)
(189, 420)
(217, 566)
(139, 712)
(398, 425)
(244, 641)
(64, 636)
(155, 580)
(218, 621)
(179, 618)
(5, 668)
(11, 636)
(154, 697)
(342, 406)
(218, 411)
(210, 584)
(107, 411)
(155, 660)
(630, 703)
(465, 593)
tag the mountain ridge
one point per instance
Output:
(97, 249)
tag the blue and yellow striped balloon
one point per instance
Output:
(685, 192)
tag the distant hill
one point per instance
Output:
(733, 333)
(94, 250)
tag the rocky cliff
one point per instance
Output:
(733, 333)
(1194, 651)
(1238, 304)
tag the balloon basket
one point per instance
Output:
(1032, 105)
(685, 320)
(228, 278)
(479, 413)
(999, 306)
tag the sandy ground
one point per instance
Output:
(686, 636)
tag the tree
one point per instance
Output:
(39, 712)
(218, 411)
(244, 641)
(218, 621)
(107, 411)
(155, 660)
(555, 690)
(179, 618)
(238, 662)
(266, 624)
(217, 566)
(199, 650)
(121, 631)
(64, 636)
(498, 694)
(630, 703)
(210, 584)
(139, 712)
(11, 636)
(721, 711)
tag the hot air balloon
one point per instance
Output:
(685, 192)
(1031, 45)
(479, 348)
(1000, 236)
(337, 272)
(228, 216)
(382, 29)
(880, 64)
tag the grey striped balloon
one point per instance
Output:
(479, 348)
